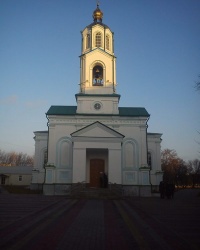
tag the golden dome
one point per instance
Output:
(97, 14)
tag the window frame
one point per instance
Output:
(98, 39)
(107, 42)
(88, 39)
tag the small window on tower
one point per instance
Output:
(98, 76)
(88, 41)
(98, 39)
(107, 42)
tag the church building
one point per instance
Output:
(97, 135)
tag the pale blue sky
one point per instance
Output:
(157, 44)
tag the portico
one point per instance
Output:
(97, 146)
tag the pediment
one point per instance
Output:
(97, 130)
(98, 51)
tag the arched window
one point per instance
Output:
(98, 40)
(88, 41)
(64, 153)
(107, 42)
(98, 76)
(129, 155)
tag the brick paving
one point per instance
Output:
(53, 222)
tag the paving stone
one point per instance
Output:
(53, 222)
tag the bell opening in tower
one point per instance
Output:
(98, 76)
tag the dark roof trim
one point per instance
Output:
(42, 132)
(123, 111)
(95, 123)
(98, 48)
(97, 23)
(99, 95)
(160, 134)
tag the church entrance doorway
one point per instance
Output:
(97, 167)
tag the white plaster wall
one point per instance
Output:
(136, 132)
(93, 31)
(133, 129)
(154, 147)
(14, 179)
(79, 164)
(106, 61)
(38, 173)
(40, 147)
(58, 129)
(114, 166)
(108, 105)
(50, 175)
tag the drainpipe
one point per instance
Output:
(147, 152)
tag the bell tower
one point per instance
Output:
(97, 92)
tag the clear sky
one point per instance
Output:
(157, 44)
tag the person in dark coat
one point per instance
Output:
(105, 180)
(162, 189)
(101, 179)
(170, 189)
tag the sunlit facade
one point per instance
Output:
(97, 135)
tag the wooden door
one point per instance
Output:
(96, 168)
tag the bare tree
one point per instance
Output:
(197, 85)
(175, 169)
(15, 159)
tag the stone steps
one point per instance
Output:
(95, 193)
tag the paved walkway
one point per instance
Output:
(50, 222)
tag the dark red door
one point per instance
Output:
(96, 168)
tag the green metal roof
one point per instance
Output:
(62, 110)
(133, 111)
(123, 111)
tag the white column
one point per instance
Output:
(143, 146)
(79, 165)
(114, 166)
(51, 146)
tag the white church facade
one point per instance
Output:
(97, 135)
